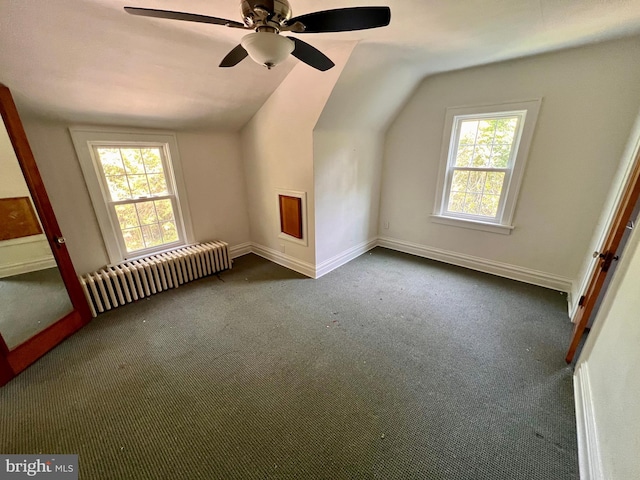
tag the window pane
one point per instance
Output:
(500, 155)
(459, 181)
(132, 160)
(169, 232)
(146, 213)
(489, 206)
(506, 129)
(456, 202)
(493, 184)
(164, 209)
(468, 131)
(111, 161)
(152, 160)
(133, 239)
(482, 156)
(486, 132)
(118, 187)
(476, 182)
(157, 184)
(139, 186)
(472, 203)
(127, 216)
(464, 156)
(152, 236)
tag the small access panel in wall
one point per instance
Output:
(291, 215)
(18, 219)
(291, 207)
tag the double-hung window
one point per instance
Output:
(135, 185)
(484, 154)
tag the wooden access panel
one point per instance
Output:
(17, 218)
(291, 215)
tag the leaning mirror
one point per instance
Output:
(41, 300)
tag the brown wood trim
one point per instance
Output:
(614, 236)
(28, 352)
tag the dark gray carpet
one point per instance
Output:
(30, 302)
(391, 367)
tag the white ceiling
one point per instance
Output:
(87, 61)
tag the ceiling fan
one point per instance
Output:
(270, 17)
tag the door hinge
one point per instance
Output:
(607, 258)
(581, 301)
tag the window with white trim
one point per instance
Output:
(484, 153)
(136, 189)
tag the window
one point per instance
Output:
(136, 189)
(484, 153)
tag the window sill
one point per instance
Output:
(141, 254)
(472, 224)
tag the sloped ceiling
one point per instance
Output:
(88, 61)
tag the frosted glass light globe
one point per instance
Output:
(266, 48)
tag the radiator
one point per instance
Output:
(127, 282)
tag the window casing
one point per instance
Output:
(137, 190)
(483, 158)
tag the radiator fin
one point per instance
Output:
(127, 282)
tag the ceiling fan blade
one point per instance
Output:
(343, 19)
(234, 57)
(311, 55)
(189, 17)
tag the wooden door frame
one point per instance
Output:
(12, 362)
(607, 252)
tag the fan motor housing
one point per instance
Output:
(268, 13)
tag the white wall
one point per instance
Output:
(347, 168)
(609, 366)
(348, 142)
(590, 98)
(213, 178)
(278, 154)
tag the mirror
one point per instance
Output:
(41, 299)
(32, 293)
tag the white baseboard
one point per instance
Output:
(535, 277)
(589, 456)
(239, 250)
(285, 260)
(344, 257)
(26, 267)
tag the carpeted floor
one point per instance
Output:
(391, 367)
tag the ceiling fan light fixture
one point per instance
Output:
(267, 48)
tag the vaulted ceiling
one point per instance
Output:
(88, 61)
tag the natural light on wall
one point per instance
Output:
(139, 195)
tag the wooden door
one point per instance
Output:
(14, 360)
(607, 254)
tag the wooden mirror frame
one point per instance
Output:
(14, 361)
